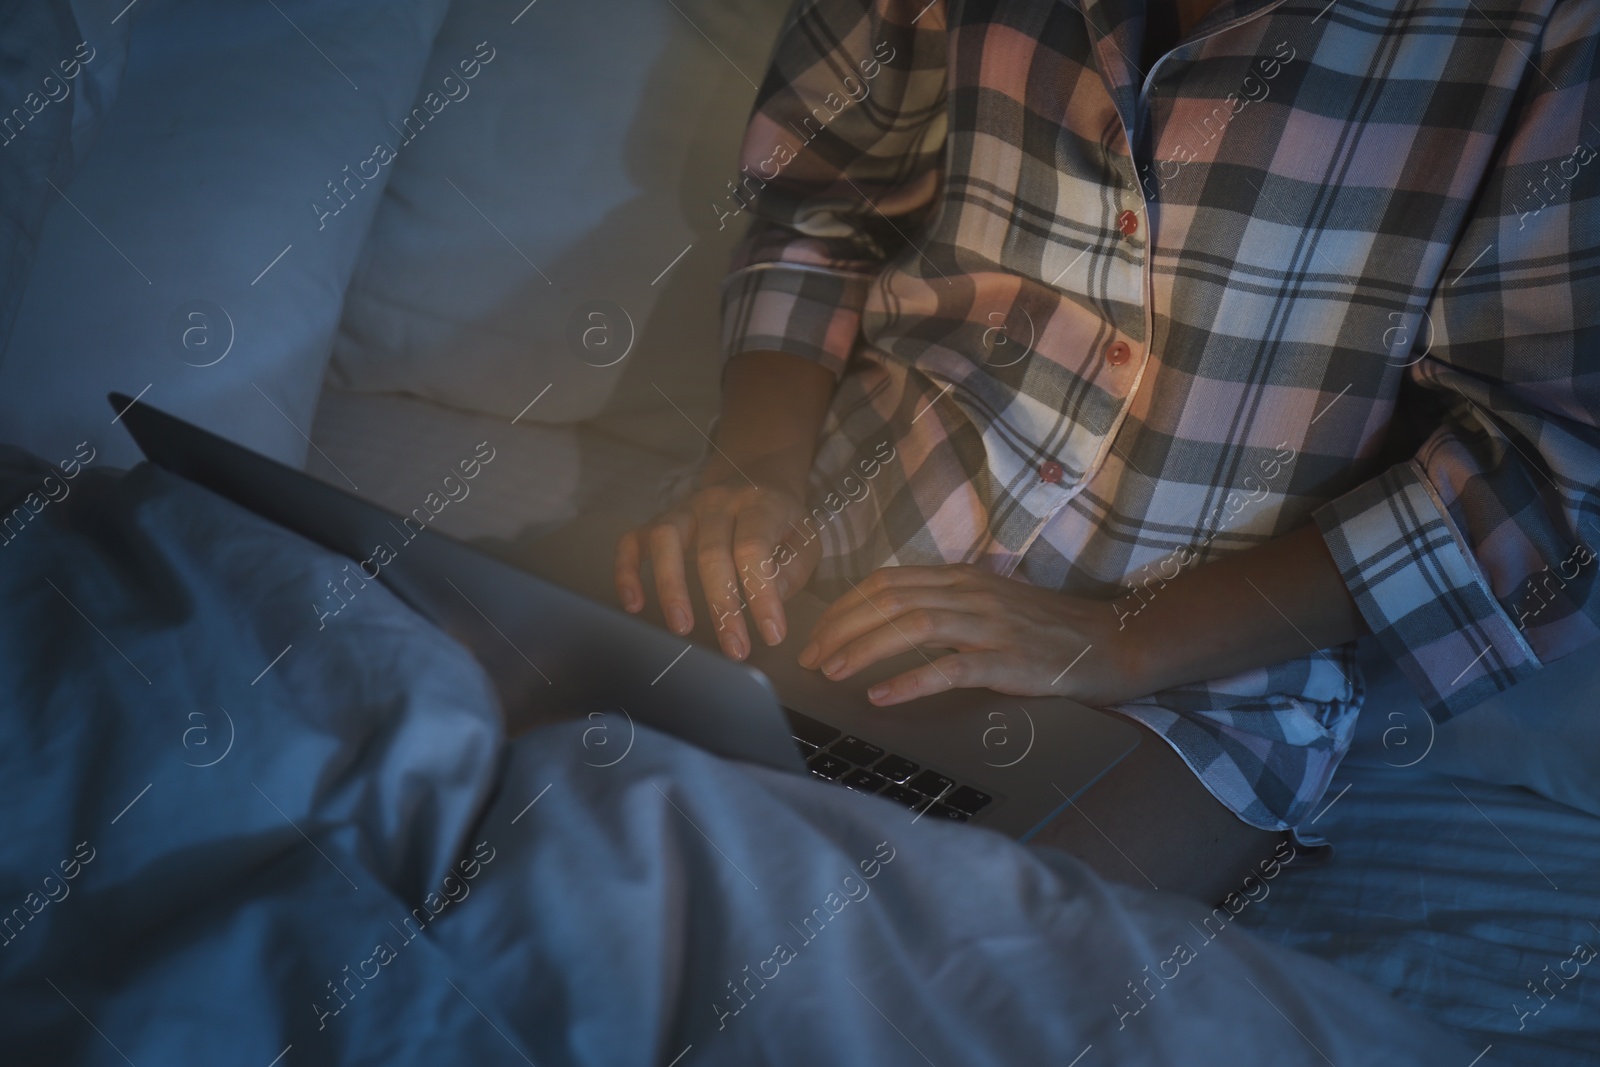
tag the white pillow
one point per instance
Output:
(401, 452)
(578, 166)
(188, 236)
(1543, 734)
(59, 68)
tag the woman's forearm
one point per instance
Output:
(773, 404)
(1265, 605)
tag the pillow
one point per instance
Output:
(1543, 734)
(196, 257)
(534, 229)
(59, 70)
(398, 450)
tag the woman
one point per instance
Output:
(1174, 375)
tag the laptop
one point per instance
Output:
(1006, 763)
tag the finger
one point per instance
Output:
(799, 563)
(714, 557)
(667, 538)
(961, 670)
(885, 580)
(625, 572)
(756, 535)
(833, 631)
(919, 626)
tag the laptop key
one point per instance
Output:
(805, 728)
(896, 768)
(930, 783)
(807, 749)
(945, 811)
(967, 799)
(827, 766)
(856, 750)
(863, 781)
(901, 795)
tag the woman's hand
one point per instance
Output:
(1007, 635)
(751, 498)
(738, 536)
(1280, 599)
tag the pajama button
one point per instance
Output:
(1051, 471)
(1128, 223)
(1117, 354)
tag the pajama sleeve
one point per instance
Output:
(839, 167)
(1474, 561)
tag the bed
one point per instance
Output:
(1472, 901)
(1469, 901)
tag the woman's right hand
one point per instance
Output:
(749, 548)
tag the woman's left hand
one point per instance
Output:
(1006, 635)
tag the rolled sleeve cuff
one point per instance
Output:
(1421, 592)
(812, 312)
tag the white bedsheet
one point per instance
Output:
(1457, 897)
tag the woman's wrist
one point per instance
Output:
(1111, 666)
(773, 405)
(1281, 599)
(790, 480)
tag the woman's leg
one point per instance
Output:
(1149, 822)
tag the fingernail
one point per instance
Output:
(679, 620)
(769, 629)
(878, 692)
(736, 647)
(833, 666)
(808, 656)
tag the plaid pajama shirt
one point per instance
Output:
(1324, 262)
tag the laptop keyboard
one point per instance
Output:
(836, 756)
